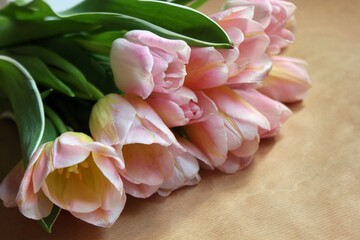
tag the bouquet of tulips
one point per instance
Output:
(117, 97)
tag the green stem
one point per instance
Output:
(55, 119)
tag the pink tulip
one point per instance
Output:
(143, 62)
(9, 187)
(288, 80)
(182, 107)
(76, 174)
(227, 140)
(275, 112)
(247, 62)
(185, 174)
(206, 69)
(275, 16)
(141, 139)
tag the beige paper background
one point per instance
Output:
(304, 184)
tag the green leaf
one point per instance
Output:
(163, 18)
(42, 75)
(48, 222)
(17, 85)
(74, 78)
(36, 20)
(96, 74)
(99, 43)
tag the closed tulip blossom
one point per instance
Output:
(141, 138)
(288, 80)
(76, 174)
(143, 62)
(248, 62)
(275, 112)
(182, 107)
(186, 173)
(207, 68)
(228, 139)
(275, 16)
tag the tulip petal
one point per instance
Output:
(32, 205)
(247, 148)
(108, 168)
(236, 107)
(111, 119)
(206, 69)
(101, 217)
(10, 185)
(276, 112)
(132, 64)
(210, 137)
(139, 190)
(148, 164)
(234, 163)
(66, 151)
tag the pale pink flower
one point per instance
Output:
(143, 62)
(182, 107)
(247, 61)
(275, 112)
(141, 139)
(186, 173)
(9, 187)
(275, 16)
(76, 174)
(288, 80)
(226, 140)
(206, 69)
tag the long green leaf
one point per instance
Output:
(164, 18)
(41, 74)
(77, 82)
(36, 20)
(17, 85)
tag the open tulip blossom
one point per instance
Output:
(113, 101)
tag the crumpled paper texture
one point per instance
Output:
(304, 184)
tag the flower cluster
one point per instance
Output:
(182, 108)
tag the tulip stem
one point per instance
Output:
(56, 120)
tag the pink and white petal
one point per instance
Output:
(210, 138)
(185, 174)
(194, 151)
(170, 112)
(262, 9)
(178, 48)
(132, 64)
(32, 205)
(107, 167)
(148, 164)
(207, 106)
(153, 121)
(10, 185)
(111, 119)
(101, 217)
(234, 163)
(276, 112)
(206, 69)
(236, 107)
(67, 149)
(42, 166)
(247, 148)
(112, 198)
(139, 190)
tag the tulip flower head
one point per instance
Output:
(143, 62)
(76, 174)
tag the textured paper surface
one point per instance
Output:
(304, 184)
